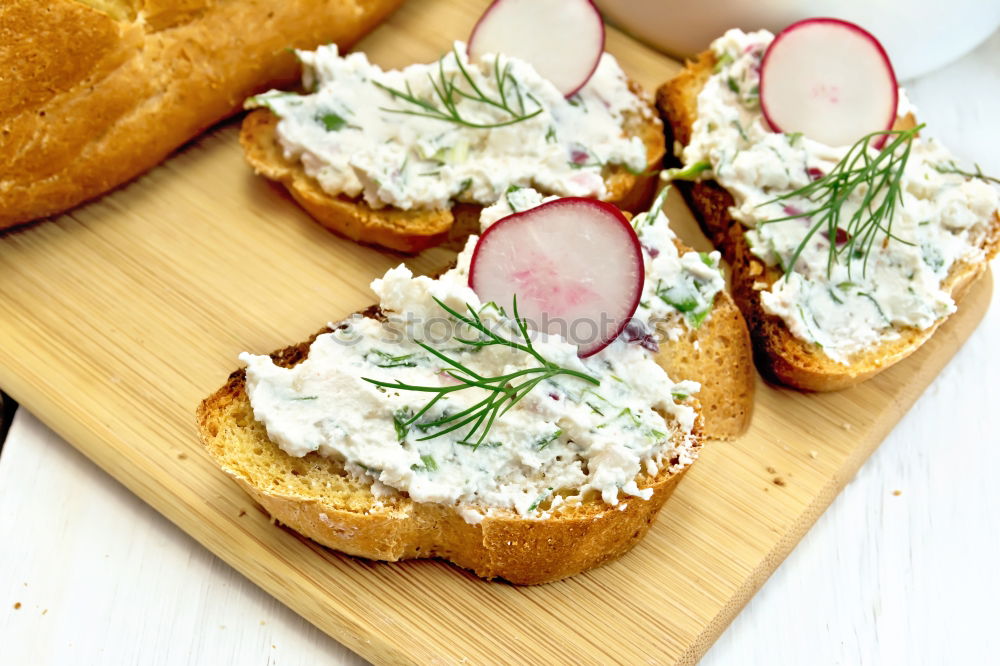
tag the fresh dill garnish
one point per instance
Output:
(503, 391)
(443, 105)
(951, 167)
(877, 175)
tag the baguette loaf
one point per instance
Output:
(415, 230)
(94, 92)
(779, 354)
(315, 496)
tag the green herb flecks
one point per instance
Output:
(443, 105)
(386, 360)
(877, 175)
(548, 439)
(331, 121)
(430, 465)
(690, 172)
(504, 391)
(539, 500)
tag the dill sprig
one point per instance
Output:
(878, 175)
(503, 391)
(951, 167)
(443, 105)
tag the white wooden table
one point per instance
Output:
(903, 568)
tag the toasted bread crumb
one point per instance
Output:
(17, 605)
(897, 493)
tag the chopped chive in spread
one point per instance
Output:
(548, 439)
(731, 82)
(511, 188)
(707, 259)
(679, 397)
(429, 463)
(331, 121)
(307, 397)
(594, 409)
(721, 61)
(541, 498)
(463, 186)
(400, 419)
(386, 360)
(690, 172)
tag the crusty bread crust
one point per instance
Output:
(414, 230)
(90, 98)
(314, 496)
(781, 356)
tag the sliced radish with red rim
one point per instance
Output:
(829, 79)
(575, 266)
(562, 39)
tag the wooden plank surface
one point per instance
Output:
(115, 320)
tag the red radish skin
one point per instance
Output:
(575, 265)
(562, 39)
(838, 111)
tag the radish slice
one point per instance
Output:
(574, 264)
(562, 39)
(830, 80)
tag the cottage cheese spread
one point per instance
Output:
(356, 138)
(565, 440)
(943, 218)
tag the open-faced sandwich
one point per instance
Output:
(851, 237)
(401, 158)
(523, 415)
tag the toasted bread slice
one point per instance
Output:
(415, 230)
(315, 496)
(781, 356)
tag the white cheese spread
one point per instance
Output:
(357, 138)
(943, 218)
(565, 440)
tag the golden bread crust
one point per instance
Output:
(90, 98)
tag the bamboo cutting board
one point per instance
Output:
(118, 318)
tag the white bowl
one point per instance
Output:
(920, 35)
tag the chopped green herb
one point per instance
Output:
(721, 61)
(548, 439)
(331, 121)
(307, 397)
(690, 172)
(386, 360)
